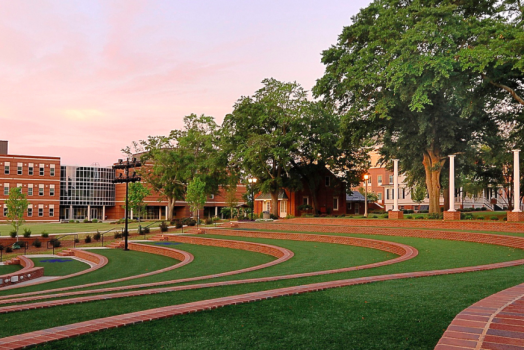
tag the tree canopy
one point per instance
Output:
(402, 76)
(17, 204)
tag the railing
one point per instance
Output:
(57, 239)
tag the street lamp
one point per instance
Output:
(366, 177)
(252, 181)
(126, 165)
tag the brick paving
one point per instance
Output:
(502, 316)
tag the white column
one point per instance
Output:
(159, 213)
(451, 182)
(166, 212)
(216, 211)
(70, 212)
(516, 181)
(395, 184)
(131, 214)
(88, 213)
(103, 212)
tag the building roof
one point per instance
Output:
(267, 196)
(355, 197)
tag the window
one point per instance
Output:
(42, 169)
(6, 189)
(51, 211)
(41, 190)
(6, 168)
(52, 170)
(5, 211)
(403, 192)
(211, 196)
(379, 179)
(29, 211)
(30, 190)
(19, 169)
(390, 179)
(369, 180)
(52, 190)
(328, 181)
(379, 196)
(31, 169)
(415, 207)
(387, 193)
(305, 200)
(335, 203)
(40, 212)
(266, 205)
(392, 193)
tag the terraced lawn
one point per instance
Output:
(5, 269)
(60, 266)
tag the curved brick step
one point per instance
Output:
(184, 258)
(26, 273)
(281, 254)
(406, 251)
(98, 261)
(76, 329)
(496, 322)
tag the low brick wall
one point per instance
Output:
(390, 247)
(253, 247)
(498, 226)
(27, 273)
(147, 248)
(507, 241)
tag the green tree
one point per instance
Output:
(172, 161)
(397, 78)
(196, 196)
(137, 193)
(418, 193)
(231, 199)
(17, 204)
(371, 197)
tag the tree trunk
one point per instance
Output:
(433, 166)
(447, 197)
(170, 206)
(274, 203)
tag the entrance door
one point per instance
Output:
(283, 209)
(94, 213)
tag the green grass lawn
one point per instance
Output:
(6, 269)
(60, 266)
(53, 228)
(433, 254)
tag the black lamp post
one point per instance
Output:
(252, 181)
(126, 165)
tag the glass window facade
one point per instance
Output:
(82, 186)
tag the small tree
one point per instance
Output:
(231, 200)
(137, 193)
(418, 194)
(371, 196)
(16, 206)
(196, 196)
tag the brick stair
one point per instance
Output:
(117, 245)
(67, 252)
(158, 238)
(13, 261)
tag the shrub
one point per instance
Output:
(375, 217)
(87, 239)
(467, 216)
(45, 234)
(94, 221)
(304, 207)
(55, 242)
(480, 218)
(409, 217)
(118, 235)
(27, 232)
(163, 227)
(22, 244)
(71, 221)
(8, 250)
(77, 221)
(191, 222)
(178, 224)
(97, 236)
(494, 217)
(85, 221)
(76, 240)
(419, 217)
(12, 234)
(145, 230)
(435, 216)
(36, 243)
(209, 221)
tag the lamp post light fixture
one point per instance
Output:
(252, 181)
(366, 177)
(125, 178)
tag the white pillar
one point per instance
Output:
(516, 181)
(166, 212)
(70, 212)
(451, 182)
(88, 213)
(216, 211)
(131, 214)
(395, 184)
(159, 213)
(103, 212)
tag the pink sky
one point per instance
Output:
(83, 79)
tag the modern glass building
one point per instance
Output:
(85, 192)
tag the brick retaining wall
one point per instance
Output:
(27, 273)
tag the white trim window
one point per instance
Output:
(30, 189)
(390, 179)
(40, 210)
(30, 210)
(42, 169)
(31, 169)
(19, 169)
(305, 200)
(335, 203)
(52, 190)
(52, 170)
(5, 210)
(6, 189)
(379, 179)
(7, 166)
(51, 210)
(40, 190)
